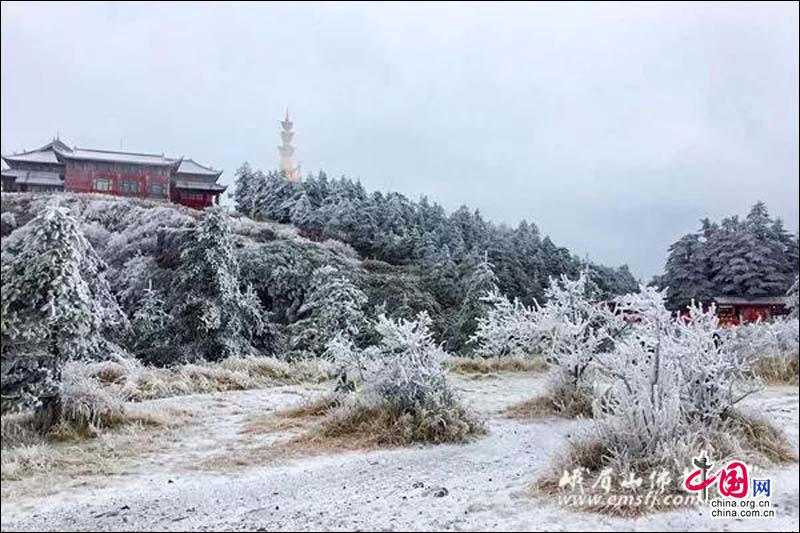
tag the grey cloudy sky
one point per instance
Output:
(613, 127)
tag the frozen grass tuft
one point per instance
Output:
(552, 405)
(494, 365)
(779, 369)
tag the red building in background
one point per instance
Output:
(57, 167)
(733, 310)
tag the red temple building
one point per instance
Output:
(57, 167)
(739, 310)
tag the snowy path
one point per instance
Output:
(384, 490)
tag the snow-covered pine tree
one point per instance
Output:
(304, 216)
(762, 254)
(477, 280)
(333, 307)
(685, 277)
(275, 197)
(56, 306)
(149, 328)
(244, 189)
(214, 317)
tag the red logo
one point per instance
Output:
(731, 480)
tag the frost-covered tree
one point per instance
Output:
(569, 331)
(478, 280)
(150, 328)
(56, 306)
(245, 189)
(751, 257)
(214, 316)
(508, 328)
(333, 307)
(572, 328)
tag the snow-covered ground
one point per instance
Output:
(171, 487)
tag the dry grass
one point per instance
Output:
(494, 365)
(138, 383)
(551, 406)
(760, 440)
(386, 427)
(779, 369)
(71, 450)
(292, 418)
(96, 430)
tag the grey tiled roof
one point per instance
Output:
(118, 157)
(34, 156)
(198, 185)
(35, 177)
(190, 166)
(753, 300)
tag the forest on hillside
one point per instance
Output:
(90, 276)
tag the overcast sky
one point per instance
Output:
(613, 127)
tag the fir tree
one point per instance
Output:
(334, 307)
(56, 305)
(215, 318)
(244, 189)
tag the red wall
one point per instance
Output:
(82, 180)
(197, 200)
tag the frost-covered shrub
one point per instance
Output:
(399, 387)
(794, 297)
(8, 223)
(508, 329)
(568, 332)
(340, 248)
(771, 347)
(672, 382)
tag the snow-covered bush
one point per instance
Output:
(8, 223)
(340, 248)
(771, 347)
(667, 389)
(672, 382)
(508, 329)
(568, 332)
(399, 388)
(333, 307)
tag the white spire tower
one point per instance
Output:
(286, 151)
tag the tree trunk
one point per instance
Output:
(48, 414)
